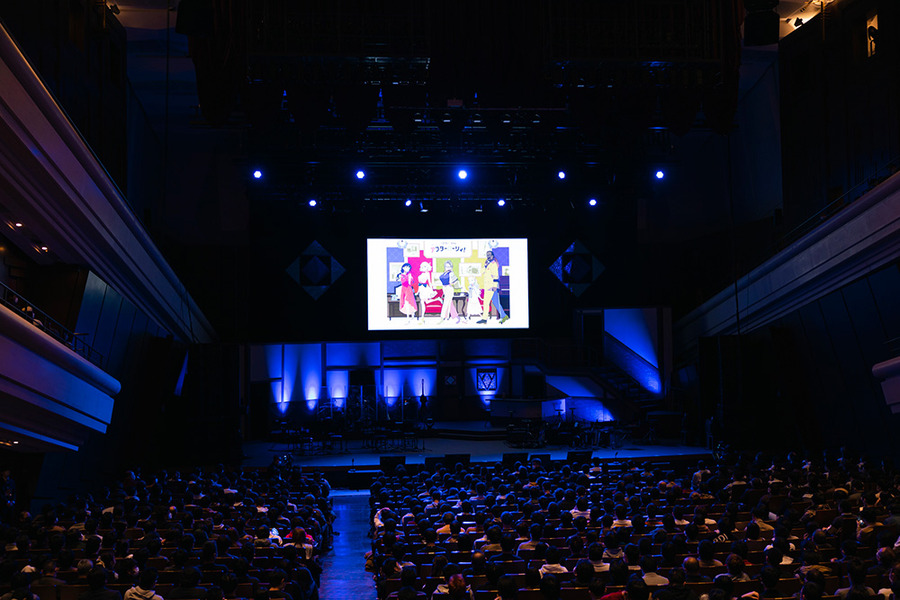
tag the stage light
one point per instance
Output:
(18, 224)
(462, 174)
(501, 202)
(592, 202)
(257, 174)
(312, 202)
(423, 208)
(45, 249)
(408, 202)
(561, 174)
(360, 174)
(660, 174)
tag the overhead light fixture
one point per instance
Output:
(501, 202)
(312, 202)
(408, 202)
(45, 249)
(660, 174)
(360, 174)
(17, 224)
(462, 174)
(561, 175)
(592, 202)
(423, 208)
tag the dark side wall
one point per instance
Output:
(840, 110)
(805, 382)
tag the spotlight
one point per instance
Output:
(18, 224)
(408, 202)
(561, 174)
(462, 174)
(660, 174)
(501, 202)
(592, 202)
(423, 208)
(360, 174)
(257, 174)
(312, 202)
(45, 249)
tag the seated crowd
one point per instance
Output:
(746, 527)
(205, 535)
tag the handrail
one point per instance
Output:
(50, 326)
(827, 211)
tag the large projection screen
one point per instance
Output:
(452, 280)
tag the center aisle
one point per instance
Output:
(343, 574)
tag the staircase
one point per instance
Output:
(634, 401)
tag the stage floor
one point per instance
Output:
(356, 455)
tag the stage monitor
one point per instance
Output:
(447, 284)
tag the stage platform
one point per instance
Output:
(478, 439)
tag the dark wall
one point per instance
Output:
(840, 113)
(805, 381)
(78, 47)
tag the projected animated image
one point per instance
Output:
(449, 284)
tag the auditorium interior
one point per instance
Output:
(214, 216)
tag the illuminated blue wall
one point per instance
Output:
(635, 328)
(353, 355)
(631, 326)
(303, 373)
(408, 381)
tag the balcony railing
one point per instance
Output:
(47, 324)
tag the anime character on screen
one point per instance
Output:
(449, 284)
(407, 295)
(426, 288)
(490, 283)
(473, 308)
